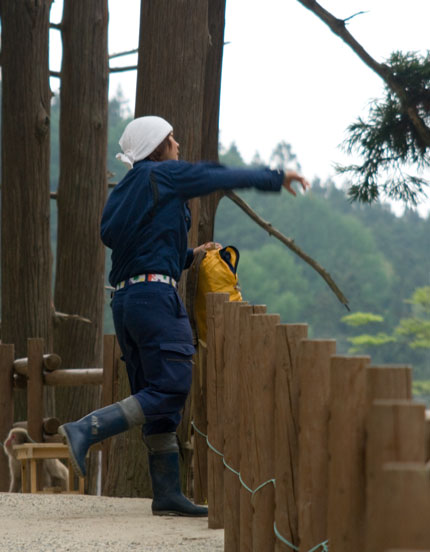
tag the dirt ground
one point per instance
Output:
(60, 523)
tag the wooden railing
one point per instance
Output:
(306, 449)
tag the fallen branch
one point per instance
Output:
(290, 244)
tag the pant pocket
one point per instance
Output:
(176, 366)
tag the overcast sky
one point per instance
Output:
(285, 75)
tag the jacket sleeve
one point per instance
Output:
(197, 179)
(189, 258)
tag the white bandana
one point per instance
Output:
(141, 137)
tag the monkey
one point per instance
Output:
(54, 472)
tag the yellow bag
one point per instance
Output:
(217, 273)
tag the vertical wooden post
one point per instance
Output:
(215, 392)
(288, 337)
(388, 382)
(314, 383)
(395, 433)
(347, 427)
(427, 435)
(406, 497)
(262, 375)
(231, 426)
(7, 353)
(109, 343)
(200, 456)
(35, 388)
(247, 434)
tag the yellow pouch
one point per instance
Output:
(217, 273)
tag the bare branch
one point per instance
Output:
(56, 26)
(337, 26)
(64, 316)
(55, 74)
(290, 244)
(355, 15)
(129, 52)
(121, 69)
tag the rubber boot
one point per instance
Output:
(99, 425)
(164, 470)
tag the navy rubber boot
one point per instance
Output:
(97, 426)
(168, 497)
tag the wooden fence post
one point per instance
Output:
(388, 382)
(199, 399)
(313, 363)
(395, 433)
(109, 363)
(35, 388)
(231, 426)
(347, 430)
(405, 493)
(246, 428)
(262, 375)
(215, 393)
(288, 337)
(7, 353)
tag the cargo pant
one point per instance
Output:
(156, 341)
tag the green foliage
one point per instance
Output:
(361, 318)
(362, 342)
(417, 328)
(388, 141)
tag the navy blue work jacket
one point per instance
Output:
(146, 218)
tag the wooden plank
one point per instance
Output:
(427, 436)
(288, 337)
(35, 388)
(395, 433)
(74, 376)
(347, 432)
(246, 428)
(6, 407)
(51, 362)
(199, 398)
(262, 374)
(388, 382)
(405, 492)
(215, 401)
(314, 378)
(231, 426)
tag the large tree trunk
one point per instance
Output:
(26, 263)
(79, 283)
(170, 81)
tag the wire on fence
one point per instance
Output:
(323, 545)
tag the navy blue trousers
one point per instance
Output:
(156, 341)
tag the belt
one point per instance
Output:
(147, 278)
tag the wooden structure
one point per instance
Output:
(33, 373)
(308, 450)
(30, 453)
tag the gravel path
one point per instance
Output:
(60, 523)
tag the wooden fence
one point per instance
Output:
(39, 370)
(307, 450)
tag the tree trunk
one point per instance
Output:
(26, 263)
(79, 284)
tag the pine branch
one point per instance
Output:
(290, 244)
(337, 26)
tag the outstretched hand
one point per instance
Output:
(289, 177)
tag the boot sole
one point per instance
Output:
(66, 441)
(174, 513)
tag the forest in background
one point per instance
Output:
(377, 259)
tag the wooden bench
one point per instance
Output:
(32, 452)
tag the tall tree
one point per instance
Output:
(25, 241)
(79, 283)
